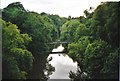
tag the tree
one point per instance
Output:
(58, 22)
(97, 55)
(33, 24)
(105, 23)
(81, 30)
(94, 52)
(110, 68)
(67, 30)
(17, 60)
(77, 50)
(86, 12)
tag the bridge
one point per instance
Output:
(58, 42)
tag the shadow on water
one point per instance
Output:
(41, 68)
(52, 66)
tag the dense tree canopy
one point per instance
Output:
(17, 60)
(97, 55)
(93, 37)
(105, 23)
(40, 27)
(67, 30)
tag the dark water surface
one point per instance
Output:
(52, 66)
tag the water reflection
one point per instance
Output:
(41, 68)
(63, 64)
(54, 66)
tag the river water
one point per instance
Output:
(63, 64)
(43, 67)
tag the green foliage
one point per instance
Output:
(82, 19)
(77, 50)
(51, 26)
(56, 19)
(111, 65)
(14, 13)
(81, 30)
(11, 69)
(94, 37)
(40, 28)
(43, 28)
(67, 30)
(105, 23)
(58, 22)
(17, 60)
(17, 5)
(63, 30)
(86, 12)
(95, 56)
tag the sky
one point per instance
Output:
(63, 8)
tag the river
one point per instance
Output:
(57, 68)
(63, 64)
